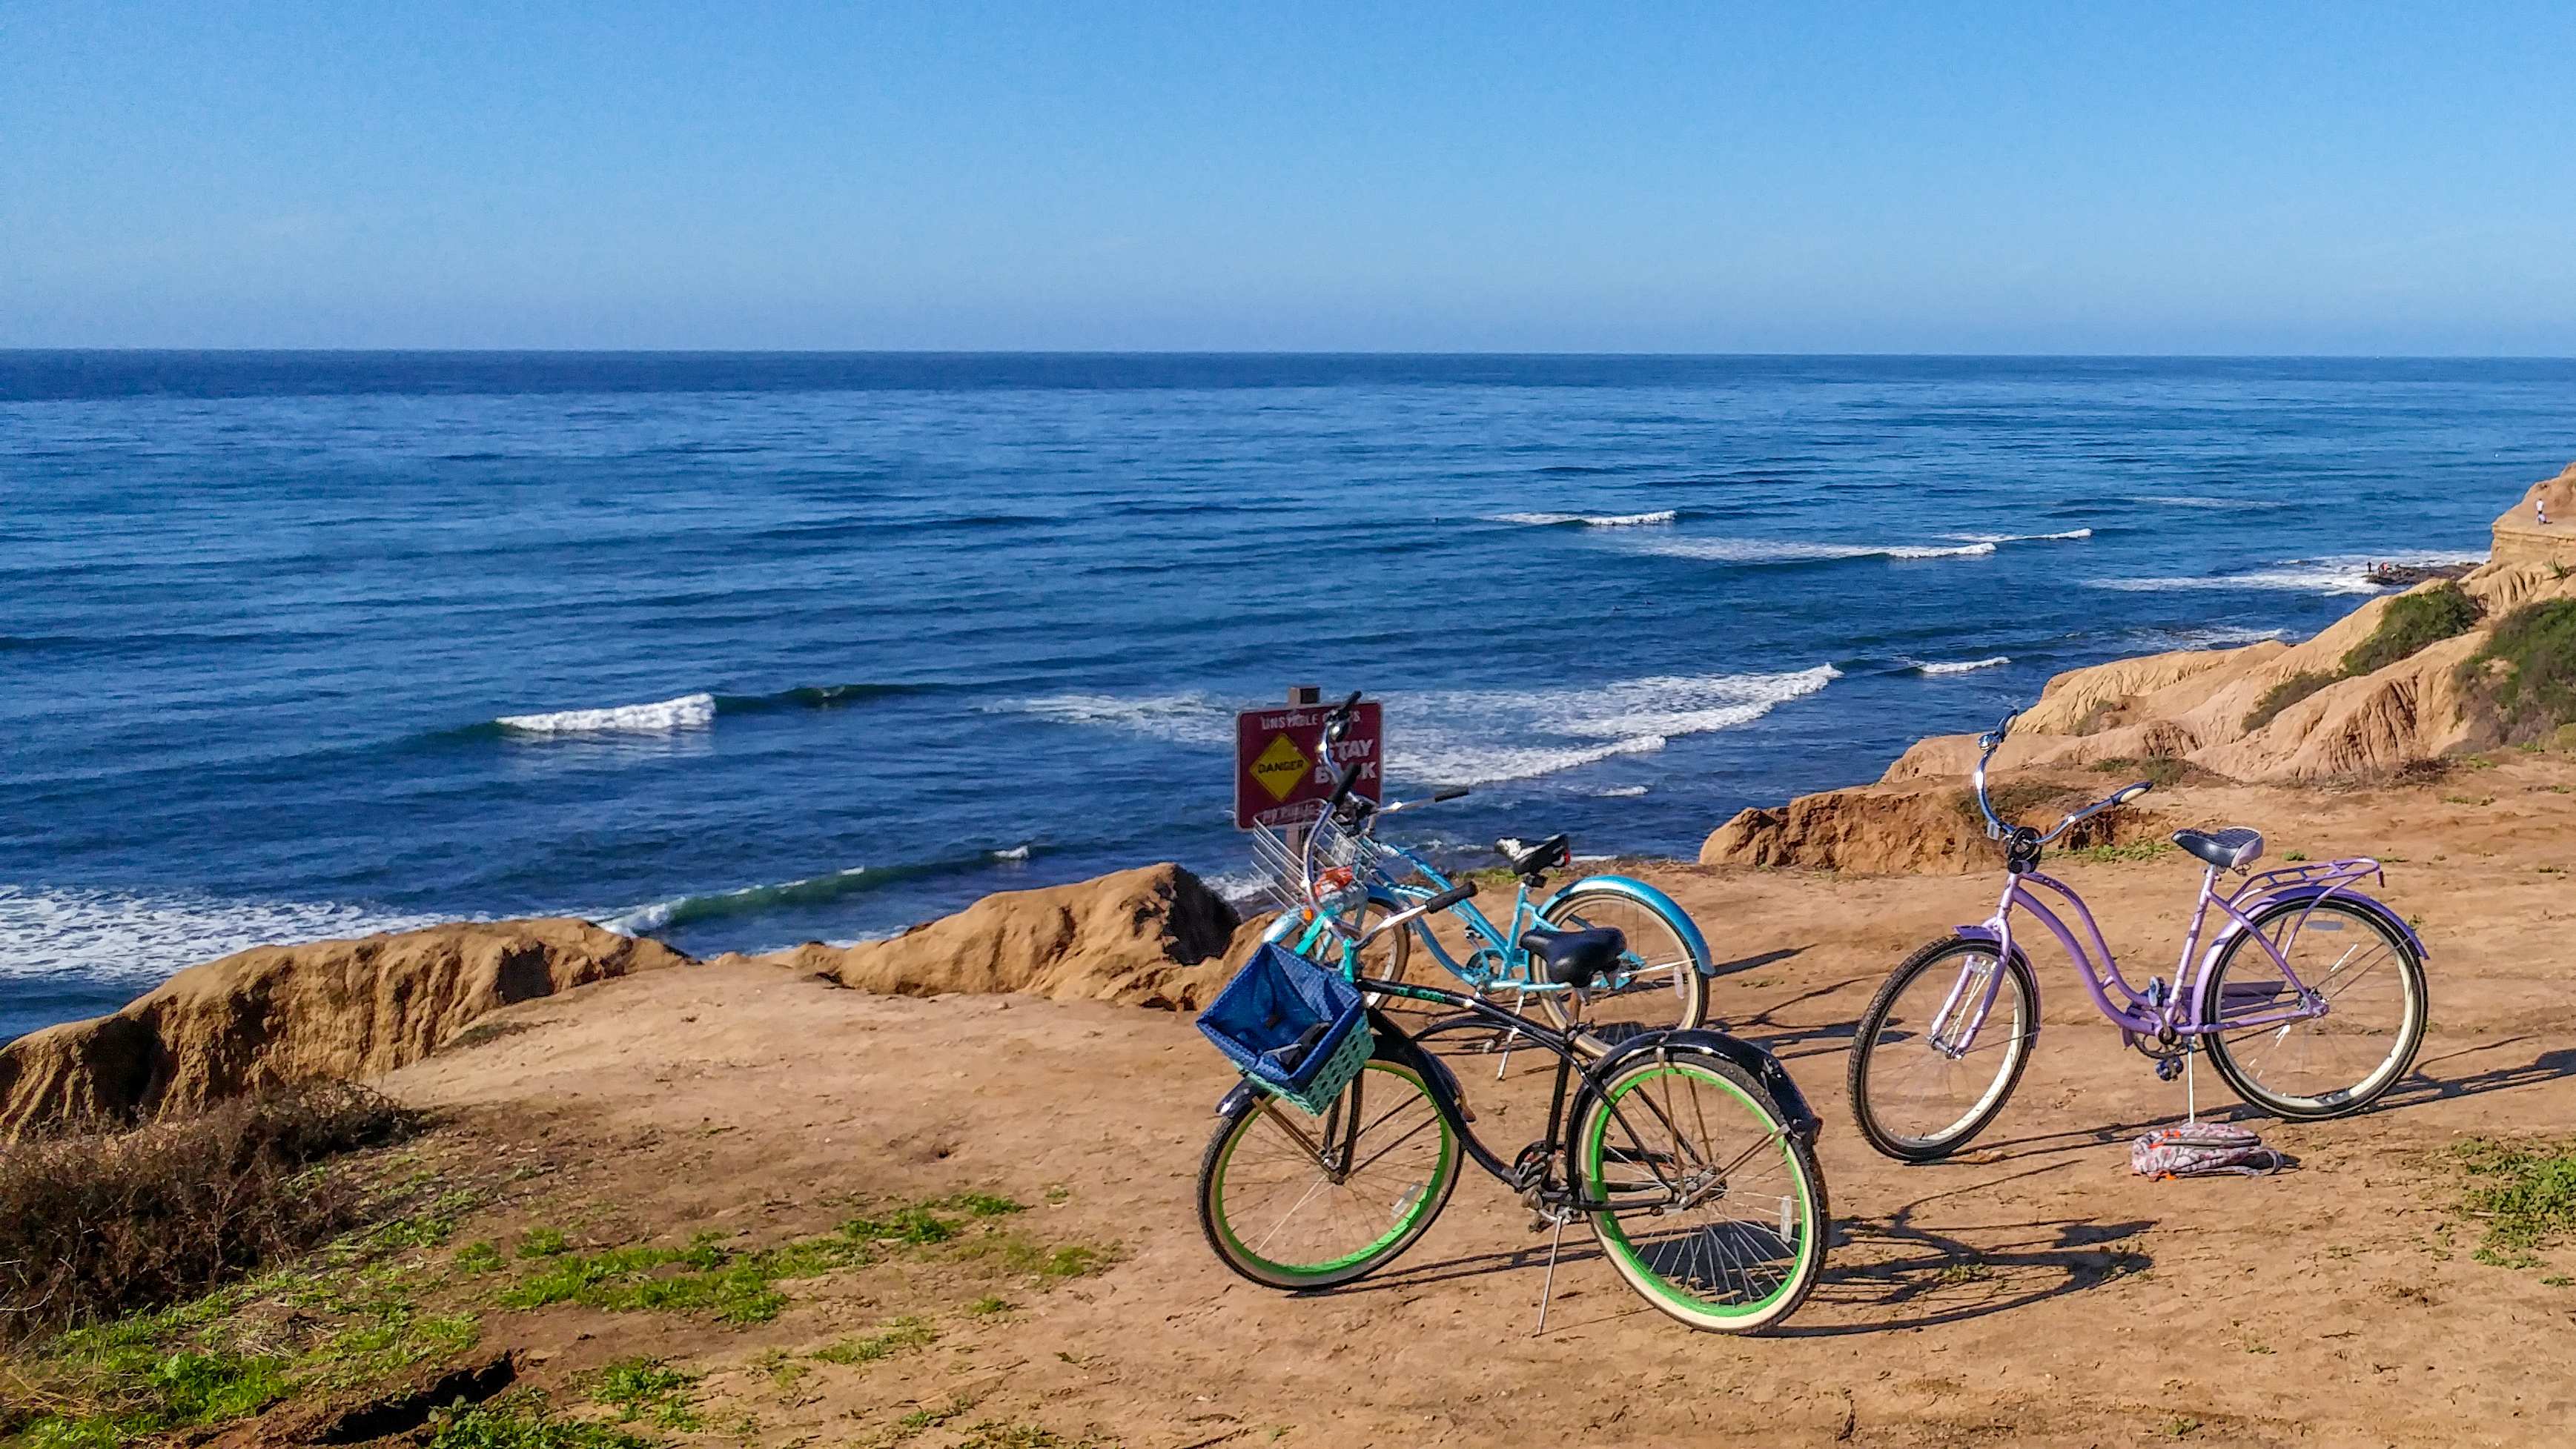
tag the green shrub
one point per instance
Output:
(2284, 694)
(2527, 671)
(2411, 622)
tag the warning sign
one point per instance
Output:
(1280, 773)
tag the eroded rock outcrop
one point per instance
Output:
(344, 1010)
(1153, 936)
(2521, 537)
(1920, 829)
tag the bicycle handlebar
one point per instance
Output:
(1462, 891)
(1996, 829)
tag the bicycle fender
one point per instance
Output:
(1651, 898)
(1394, 1046)
(2394, 921)
(1242, 1095)
(1761, 1065)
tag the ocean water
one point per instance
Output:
(745, 650)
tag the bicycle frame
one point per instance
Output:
(1449, 1101)
(2183, 1011)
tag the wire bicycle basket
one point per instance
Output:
(1343, 856)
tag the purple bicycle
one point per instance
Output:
(2310, 1001)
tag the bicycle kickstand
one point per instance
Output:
(1519, 1002)
(1547, 1286)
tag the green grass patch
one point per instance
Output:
(899, 1336)
(732, 1285)
(544, 1243)
(988, 1306)
(2410, 622)
(2284, 694)
(523, 1421)
(2526, 673)
(1049, 1264)
(479, 1257)
(640, 1388)
(2522, 1195)
(2132, 850)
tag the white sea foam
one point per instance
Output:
(117, 936)
(1961, 666)
(1590, 520)
(2069, 534)
(1181, 719)
(1773, 550)
(688, 712)
(1619, 792)
(2338, 574)
(2221, 636)
(1482, 737)
(1016, 852)
(1487, 737)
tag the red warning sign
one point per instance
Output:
(1280, 773)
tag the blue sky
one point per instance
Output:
(1950, 178)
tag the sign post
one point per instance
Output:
(1281, 777)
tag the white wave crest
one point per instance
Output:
(118, 936)
(1619, 792)
(688, 712)
(1479, 737)
(2220, 636)
(2069, 534)
(1772, 550)
(2340, 574)
(1487, 737)
(1589, 520)
(1181, 719)
(1962, 666)
(1016, 852)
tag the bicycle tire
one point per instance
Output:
(1410, 1217)
(1746, 1230)
(1874, 1022)
(2342, 1102)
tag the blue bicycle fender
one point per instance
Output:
(1761, 1065)
(1646, 895)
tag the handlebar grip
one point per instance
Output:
(1463, 890)
(1452, 793)
(2127, 793)
(1342, 787)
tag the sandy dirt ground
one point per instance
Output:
(2030, 1292)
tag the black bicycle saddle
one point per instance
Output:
(1575, 958)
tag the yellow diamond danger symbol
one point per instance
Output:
(1280, 766)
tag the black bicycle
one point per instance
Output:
(1690, 1152)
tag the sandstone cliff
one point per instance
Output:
(1153, 936)
(274, 1014)
(2520, 536)
(1915, 829)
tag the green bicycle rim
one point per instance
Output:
(1422, 1203)
(1615, 1238)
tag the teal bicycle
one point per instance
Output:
(1690, 1153)
(1605, 947)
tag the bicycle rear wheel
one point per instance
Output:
(2326, 1066)
(1723, 1221)
(1292, 1201)
(1665, 985)
(1918, 1094)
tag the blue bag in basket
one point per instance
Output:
(1297, 1030)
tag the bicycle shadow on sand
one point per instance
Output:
(1918, 1277)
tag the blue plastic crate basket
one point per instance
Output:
(1295, 1029)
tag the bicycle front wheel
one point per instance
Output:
(1293, 1201)
(1921, 1086)
(2325, 1066)
(1719, 1217)
(1663, 982)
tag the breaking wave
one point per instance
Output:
(1963, 666)
(1589, 520)
(817, 890)
(106, 935)
(688, 712)
(1485, 737)
(2339, 574)
(1770, 550)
